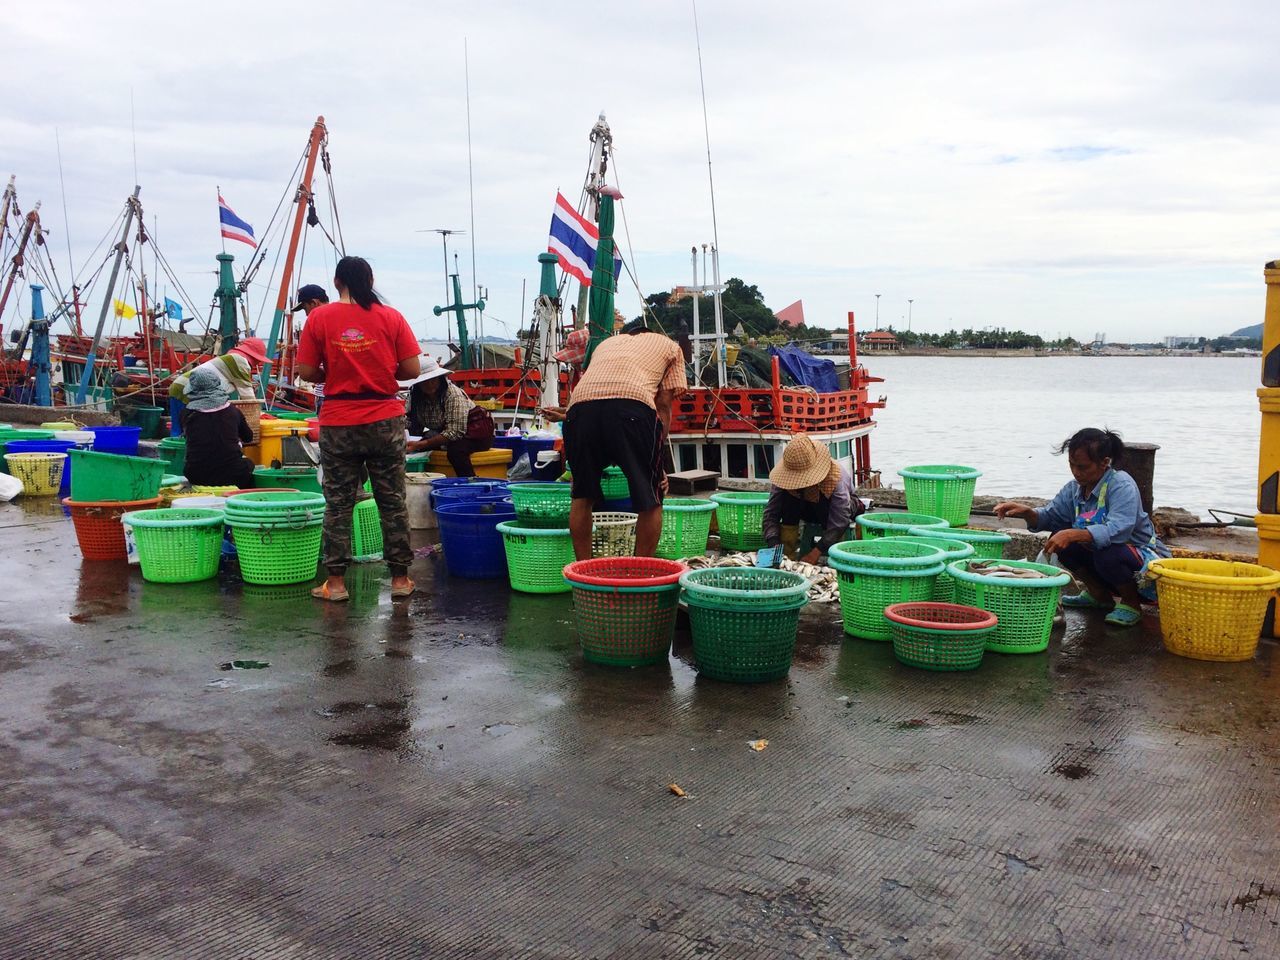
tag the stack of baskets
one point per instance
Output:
(1025, 608)
(987, 544)
(686, 525)
(177, 545)
(744, 621)
(740, 519)
(874, 574)
(544, 505)
(106, 486)
(942, 490)
(625, 608)
(944, 588)
(1212, 609)
(277, 535)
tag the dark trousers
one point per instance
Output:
(344, 453)
(459, 453)
(1115, 565)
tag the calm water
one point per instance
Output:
(1003, 416)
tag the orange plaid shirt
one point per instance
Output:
(632, 367)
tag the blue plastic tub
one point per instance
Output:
(47, 446)
(473, 547)
(121, 440)
(460, 493)
(517, 446)
(444, 483)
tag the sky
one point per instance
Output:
(1061, 168)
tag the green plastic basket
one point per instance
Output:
(944, 588)
(304, 479)
(939, 636)
(177, 545)
(686, 525)
(1025, 608)
(276, 552)
(740, 518)
(366, 532)
(987, 544)
(536, 557)
(874, 574)
(614, 485)
(875, 525)
(173, 450)
(544, 505)
(112, 476)
(744, 621)
(613, 534)
(940, 489)
(624, 608)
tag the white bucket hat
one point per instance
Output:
(430, 370)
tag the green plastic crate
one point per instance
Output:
(740, 519)
(112, 476)
(536, 557)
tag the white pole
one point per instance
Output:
(697, 330)
(715, 280)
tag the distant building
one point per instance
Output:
(792, 316)
(1180, 343)
(880, 340)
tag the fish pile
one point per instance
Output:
(822, 580)
(994, 568)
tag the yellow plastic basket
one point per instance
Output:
(40, 473)
(1212, 609)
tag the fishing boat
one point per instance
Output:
(723, 425)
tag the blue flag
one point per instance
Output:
(172, 309)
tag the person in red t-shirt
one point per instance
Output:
(358, 348)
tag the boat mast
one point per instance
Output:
(10, 194)
(546, 313)
(601, 149)
(319, 136)
(32, 223)
(132, 206)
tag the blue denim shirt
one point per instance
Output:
(1125, 520)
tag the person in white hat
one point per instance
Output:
(446, 418)
(809, 488)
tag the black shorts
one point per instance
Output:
(615, 433)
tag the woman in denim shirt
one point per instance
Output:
(1098, 528)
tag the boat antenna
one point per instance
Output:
(471, 185)
(66, 224)
(445, 234)
(706, 129)
(133, 125)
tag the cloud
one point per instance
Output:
(1001, 164)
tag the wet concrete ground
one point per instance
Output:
(446, 778)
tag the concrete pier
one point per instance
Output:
(445, 777)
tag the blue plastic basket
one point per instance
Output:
(473, 547)
(123, 440)
(465, 492)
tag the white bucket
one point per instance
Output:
(74, 436)
(417, 500)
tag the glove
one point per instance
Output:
(769, 556)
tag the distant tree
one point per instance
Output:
(742, 304)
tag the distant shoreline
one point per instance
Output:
(1042, 354)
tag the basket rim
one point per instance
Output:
(900, 572)
(897, 613)
(481, 508)
(149, 518)
(1168, 567)
(966, 534)
(896, 520)
(799, 586)
(614, 517)
(949, 552)
(946, 471)
(73, 504)
(851, 553)
(1056, 578)
(513, 528)
(579, 572)
(37, 455)
(688, 505)
(746, 497)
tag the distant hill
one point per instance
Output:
(1253, 333)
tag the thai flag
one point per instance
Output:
(573, 239)
(233, 228)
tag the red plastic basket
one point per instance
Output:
(98, 527)
(939, 636)
(940, 616)
(625, 608)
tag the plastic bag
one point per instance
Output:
(10, 487)
(520, 470)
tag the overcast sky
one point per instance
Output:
(1065, 168)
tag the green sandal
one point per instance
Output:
(1082, 599)
(1124, 616)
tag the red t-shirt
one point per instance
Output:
(359, 350)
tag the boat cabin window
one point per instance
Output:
(686, 456)
(764, 454)
(737, 460)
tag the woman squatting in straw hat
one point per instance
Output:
(811, 502)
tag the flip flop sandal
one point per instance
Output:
(1124, 616)
(323, 592)
(398, 592)
(1081, 599)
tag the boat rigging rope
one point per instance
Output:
(259, 255)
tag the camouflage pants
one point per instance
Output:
(379, 448)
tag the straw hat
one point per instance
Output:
(430, 369)
(804, 464)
